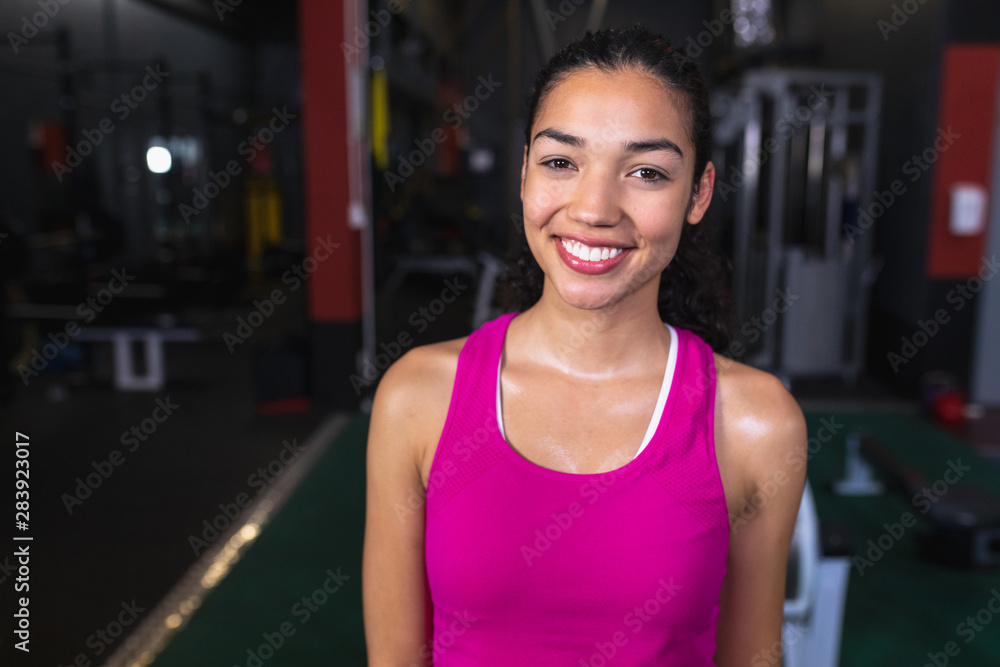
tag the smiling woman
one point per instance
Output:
(578, 458)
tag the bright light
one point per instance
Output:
(158, 159)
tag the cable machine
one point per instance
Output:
(796, 154)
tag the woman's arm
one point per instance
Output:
(396, 601)
(770, 433)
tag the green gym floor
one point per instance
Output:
(297, 586)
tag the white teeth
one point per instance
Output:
(589, 254)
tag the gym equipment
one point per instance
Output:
(485, 270)
(949, 409)
(153, 338)
(795, 163)
(859, 476)
(818, 576)
(965, 519)
(984, 382)
(262, 200)
(943, 398)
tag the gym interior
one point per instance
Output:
(220, 222)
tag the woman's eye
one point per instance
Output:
(557, 163)
(647, 174)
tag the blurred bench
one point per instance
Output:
(121, 336)
(815, 593)
(152, 338)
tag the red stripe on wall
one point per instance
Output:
(967, 108)
(335, 284)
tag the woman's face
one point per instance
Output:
(609, 166)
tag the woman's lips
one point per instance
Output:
(587, 267)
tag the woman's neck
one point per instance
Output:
(625, 338)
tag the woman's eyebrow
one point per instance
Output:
(651, 145)
(561, 137)
(644, 146)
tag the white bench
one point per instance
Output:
(813, 620)
(153, 338)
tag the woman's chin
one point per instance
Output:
(586, 299)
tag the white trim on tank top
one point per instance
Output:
(661, 400)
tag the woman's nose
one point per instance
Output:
(595, 198)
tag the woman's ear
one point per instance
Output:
(702, 196)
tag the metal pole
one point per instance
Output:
(359, 168)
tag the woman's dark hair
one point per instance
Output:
(694, 292)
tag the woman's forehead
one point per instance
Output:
(626, 105)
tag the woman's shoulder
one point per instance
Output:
(414, 393)
(760, 420)
(422, 373)
(749, 384)
(426, 363)
(426, 373)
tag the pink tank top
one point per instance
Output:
(531, 566)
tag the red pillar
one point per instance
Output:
(334, 297)
(963, 150)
